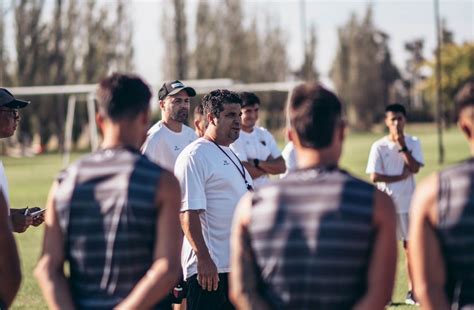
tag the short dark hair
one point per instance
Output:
(214, 101)
(122, 96)
(249, 99)
(465, 96)
(314, 113)
(198, 110)
(396, 108)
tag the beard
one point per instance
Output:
(180, 116)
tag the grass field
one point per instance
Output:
(30, 179)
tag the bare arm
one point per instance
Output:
(10, 273)
(165, 271)
(426, 257)
(254, 171)
(377, 177)
(409, 160)
(273, 166)
(243, 278)
(50, 269)
(269, 166)
(207, 271)
(381, 274)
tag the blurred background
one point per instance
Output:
(370, 52)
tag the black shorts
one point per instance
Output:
(198, 299)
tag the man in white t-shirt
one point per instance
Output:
(212, 180)
(256, 147)
(393, 161)
(9, 118)
(168, 137)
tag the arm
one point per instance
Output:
(165, 270)
(50, 269)
(425, 253)
(207, 271)
(243, 279)
(253, 171)
(273, 166)
(410, 162)
(269, 166)
(377, 177)
(381, 273)
(10, 273)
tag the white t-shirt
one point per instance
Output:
(289, 155)
(210, 182)
(259, 144)
(163, 145)
(385, 158)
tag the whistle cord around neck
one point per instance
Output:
(241, 172)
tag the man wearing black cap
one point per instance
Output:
(167, 138)
(9, 118)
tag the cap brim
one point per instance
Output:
(191, 92)
(17, 104)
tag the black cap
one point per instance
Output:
(174, 87)
(7, 100)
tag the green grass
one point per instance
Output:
(30, 179)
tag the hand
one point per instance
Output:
(207, 278)
(20, 220)
(39, 219)
(400, 138)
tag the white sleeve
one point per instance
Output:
(417, 152)
(191, 174)
(150, 149)
(374, 164)
(238, 148)
(272, 145)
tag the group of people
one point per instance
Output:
(165, 213)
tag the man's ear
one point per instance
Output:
(465, 128)
(211, 119)
(162, 104)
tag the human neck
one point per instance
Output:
(116, 136)
(310, 158)
(212, 135)
(172, 125)
(247, 129)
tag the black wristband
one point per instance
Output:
(403, 149)
(256, 162)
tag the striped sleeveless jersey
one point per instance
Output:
(312, 235)
(106, 208)
(456, 231)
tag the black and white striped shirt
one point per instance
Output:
(106, 208)
(456, 230)
(312, 236)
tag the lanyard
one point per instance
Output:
(242, 172)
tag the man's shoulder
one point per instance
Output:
(412, 139)
(199, 147)
(383, 141)
(189, 131)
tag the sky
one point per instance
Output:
(403, 20)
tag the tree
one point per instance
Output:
(362, 70)
(457, 66)
(308, 70)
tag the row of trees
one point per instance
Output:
(82, 41)
(78, 44)
(227, 45)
